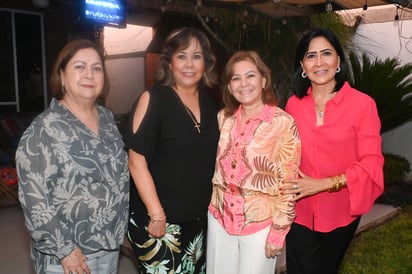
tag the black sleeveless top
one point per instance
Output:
(180, 160)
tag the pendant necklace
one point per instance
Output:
(193, 118)
(320, 108)
(189, 112)
(320, 111)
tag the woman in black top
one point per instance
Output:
(172, 151)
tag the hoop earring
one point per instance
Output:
(63, 89)
(337, 69)
(304, 75)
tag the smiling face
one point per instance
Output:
(188, 65)
(246, 84)
(83, 77)
(320, 62)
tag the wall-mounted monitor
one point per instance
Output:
(104, 12)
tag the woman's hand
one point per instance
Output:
(271, 250)
(304, 186)
(157, 228)
(75, 262)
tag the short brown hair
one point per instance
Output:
(63, 58)
(268, 95)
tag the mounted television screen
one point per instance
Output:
(104, 12)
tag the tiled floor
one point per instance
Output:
(15, 244)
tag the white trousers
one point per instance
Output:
(233, 254)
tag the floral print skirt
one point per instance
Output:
(180, 250)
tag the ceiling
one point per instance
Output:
(272, 8)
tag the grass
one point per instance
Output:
(386, 249)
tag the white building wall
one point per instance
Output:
(386, 40)
(127, 82)
(126, 64)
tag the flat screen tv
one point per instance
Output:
(104, 12)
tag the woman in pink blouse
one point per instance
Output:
(342, 164)
(259, 147)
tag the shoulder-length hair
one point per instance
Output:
(180, 39)
(268, 95)
(300, 85)
(64, 57)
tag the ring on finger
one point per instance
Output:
(295, 186)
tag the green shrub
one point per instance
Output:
(395, 168)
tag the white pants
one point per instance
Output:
(233, 254)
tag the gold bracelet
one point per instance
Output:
(157, 220)
(154, 217)
(339, 182)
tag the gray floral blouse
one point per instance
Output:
(73, 184)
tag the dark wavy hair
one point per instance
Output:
(64, 57)
(300, 85)
(180, 39)
(268, 95)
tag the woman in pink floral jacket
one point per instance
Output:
(259, 148)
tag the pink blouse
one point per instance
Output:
(251, 165)
(348, 142)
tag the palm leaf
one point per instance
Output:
(195, 248)
(265, 173)
(389, 83)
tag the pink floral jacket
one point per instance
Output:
(251, 165)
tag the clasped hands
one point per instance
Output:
(271, 250)
(75, 263)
